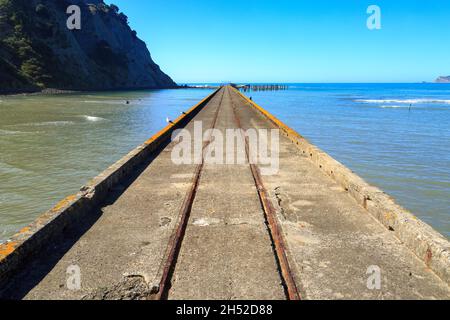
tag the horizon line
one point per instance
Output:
(303, 82)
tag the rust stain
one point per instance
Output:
(63, 203)
(7, 248)
(388, 216)
(25, 230)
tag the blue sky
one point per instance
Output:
(294, 40)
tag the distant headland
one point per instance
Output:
(443, 79)
(38, 51)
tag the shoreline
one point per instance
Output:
(53, 91)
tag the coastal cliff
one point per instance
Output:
(443, 80)
(38, 51)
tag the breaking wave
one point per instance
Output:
(118, 102)
(395, 107)
(92, 118)
(10, 132)
(52, 123)
(46, 124)
(405, 101)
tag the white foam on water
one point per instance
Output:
(10, 132)
(47, 123)
(118, 102)
(92, 118)
(405, 101)
(394, 107)
(55, 123)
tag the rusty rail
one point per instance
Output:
(272, 222)
(177, 236)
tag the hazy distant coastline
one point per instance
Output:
(443, 79)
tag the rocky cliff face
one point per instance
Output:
(38, 51)
(443, 80)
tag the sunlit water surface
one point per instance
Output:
(396, 136)
(52, 145)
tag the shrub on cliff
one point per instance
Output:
(38, 50)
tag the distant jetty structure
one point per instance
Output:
(262, 87)
(241, 87)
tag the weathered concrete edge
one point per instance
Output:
(428, 245)
(29, 241)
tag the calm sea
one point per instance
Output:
(396, 136)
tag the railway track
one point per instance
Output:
(176, 239)
(277, 242)
(271, 220)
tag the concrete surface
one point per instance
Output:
(227, 253)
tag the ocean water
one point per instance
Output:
(395, 136)
(50, 146)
